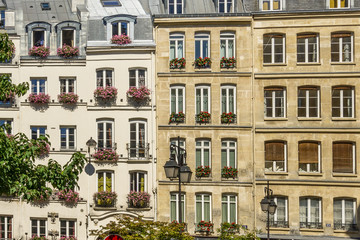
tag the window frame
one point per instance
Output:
(176, 202)
(110, 5)
(272, 46)
(38, 86)
(119, 28)
(135, 183)
(271, 5)
(202, 202)
(340, 47)
(308, 166)
(67, 227)
(338, 3)
(202, 147)
(228, 148)
(104, 172)
(103, 81)
(228, 203)
(353, 148)
(177, 104)
(138, 145)
(38, 226)
(202, 88)
(104, 139)
(8, 221)
(129, 19)
(273, 98)
(274, 217)
(227, 88)
(176, 5)
(182, 145)
(65, 84)
(73, 39)
(137, 77)
(341, 101)
(2, 18)
(177, 37)
(307, 101)
(202, 38)
(308, 212)
(225, 36)
(225, 4)
(67, 138)
(343, 214)
(306, 36)
(38, 130)
(274, 162)
(38, 26)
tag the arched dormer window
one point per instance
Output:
(38, 34)
(68, 33)
(120, 24)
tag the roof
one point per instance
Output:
(130, 7)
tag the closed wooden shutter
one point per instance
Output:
(343, 157)
(308, 35)
(274, 151)
(339, 35)
(308, 152)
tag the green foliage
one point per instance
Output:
(138, 229)
(7, 48)
(236, 232)
(7, 88)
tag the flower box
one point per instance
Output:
(138, 199)
(202, 62)
(105, 199)
(203, 117)
(40, 98)
(68, 98)
(67, 51)
(138, 94)
(204, 226)
(203, 171)
(229, 172)
(120, 39)
(230, 227)
(36, 237)
(69, 196)
(228, 62)
(228, 117)
(105, 155)
(107, 93)
(68, 238)
(41, 51)
(177, 63)
(177, 117)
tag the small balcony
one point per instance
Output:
(203, 117)
(279, 224)
(346, 226)
(105, 199)
(138, 151)
(311, 225)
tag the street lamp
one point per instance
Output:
(268, 206)
(91, 143)
(178, 169)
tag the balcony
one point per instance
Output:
(346, 226)
(138, 151)
(279, 224)
(311, 225)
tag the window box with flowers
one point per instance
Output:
(68, 98)
(177, 63)
(41, 51)
(68, 196)
(36, 237)
(67, 51)
(230, 227)
(105, 199)
(204, 227)
(228, 117)
(120, 39)
(40, 98)
(182, 226)
(177, 117)
(105, 94)
(68, 238)
(138, 94)
(138, 199)
(228, 62)
(229, 172)
(203, 171)
(105, 155)
(202, 62)
(203, 117)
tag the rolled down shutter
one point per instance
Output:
(274, 151)
(308, 152)
(343, 157)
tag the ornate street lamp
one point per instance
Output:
(268, 206)
(91, 143)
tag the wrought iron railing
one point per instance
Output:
(138, 151)
(311, 225)
(279, 224)
(345, 226)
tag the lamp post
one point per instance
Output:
(91, 143)
(178, 169)
(268, 206)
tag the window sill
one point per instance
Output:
(276, 173)
(202, 69)
(138, 209)
(274, 64)
(229, 179)
(344, 175)
(228, 69)
(346, 231)
(105, 208)
(203, 179)
(342, 63)
(309, 119)
(308, 64)
(276, 119)
(343, 119)
(311, 230)
(177, 70)
(279, 229)
(104, 162)
(310, 174)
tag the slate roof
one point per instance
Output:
(131, 7)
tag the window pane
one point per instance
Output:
(68, 37)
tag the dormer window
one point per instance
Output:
(68, 33)
(339, 3)
(38, 34)
(39, 37)
(119, 25)
(68, 37)
(271, 5)
(120, 28)
(175, 6)
(225, 6)
(110, 3)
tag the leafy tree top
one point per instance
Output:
(7, 48)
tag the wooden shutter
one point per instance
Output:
(339, 35)
(343, 157)
(308, 35)
(274, 151)
(308, 152)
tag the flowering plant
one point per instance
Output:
(228, 172)
(36, 237)
(68, 238)
(120, 39)
(67, 51)
(230, 227)
(177, 117)
(69, 196)
(204, 226)
(9, 96)
(203, 171)
(43, 148)
(105, 155)
(138, 93)
(203, 62)
(182, 225)
(7, 49)
(228, 117)
(41, 51)
(177, 63)
(203, 117)
(228, 62)
(105, 199)
(68, 98)
(39, 98)
(138, 199)
(107, 93)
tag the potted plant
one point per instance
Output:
(68, 98)
(105, 155)
(229, 172)
(138, 94)
(177, 117)
(228, 62)
(40, 98)
(69, 196)
(203, 171)
(203, 117)
(107, 93)
(177, 63)
(230, 227)
(202, 62)
(138, 199)
(182, 226)
(105, 199)
(36, 237)
(205, 226)
(40, 51)
(228, 117)
(67, 51)
(120, 39)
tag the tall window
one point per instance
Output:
(105, 181)
(9, 122)
(38, 37)
(275, 156)
(275, 102)
(37, 131)
(309, 157)
(274, 48)
(339, 3)
(175, 6)
(229, 208)
(38, 86)
(342, 47)
(176, 45)
(343, 157)
(343, 101)
(202, 153)
(174, 141)
(177, 99)
(137, 140)
(345, 214)
(67, 85)
(67, 137)
(105, 133)
(310, 213)
(174, 207)
(202, 94)
(225, 6)
(104, 78)
(202, 45)
(137, 181)
(228, 98)
(228, 153)
(39, 227)
(68, 37)
(120, 28)
(307, 48)
(271, 5)
(67, 228)
(137, 77)
(280, 217)
(6, 227)
(227, 45)
(203, 207)
(2, 18)
(308, 102)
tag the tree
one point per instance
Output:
(7, 48)
(233, 231)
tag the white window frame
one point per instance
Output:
(228, 148)
(74, 36)
(342, 102)
(228, 202)
(7, 224)
(343, 219)
(338, 3)
(201, 88)
(38, 226)
(275, 216)
(67, 137)
(177, 206)
(227, 89)
(202, 201)
(308, 164)
(307, 100)
(272, 46)
(177, 95)
(273, 98)
(225, 36)
(182, 145)
(274, 166)
(177, 37)
(175, 4)
(308, 214)
(67, 227)
(137, 78)
(38, 85)
(202, 38)
(137, 139)
(137, 180)
(39, 30)
(105, 122)
(341, 48)
(202, 148)
(9, 122)
(103, 78)
(37, 131)
(306, 44)
(103, 172)
(66, 84)
(225, 3)
(119, 23)
(271, 5)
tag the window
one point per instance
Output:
(202, 94)
(104, 78)
(119, 24)
(339, 3)
(310, 213)
(202, 46)
(345, 214)
(105, 134)
(275, 156)
(274, 48)
(229, 208)
(68, 33)
(137, 77)
(175, 6)
(105, 181)
(342, 47)
(181, 143)
(309, 157)
(67, 137)
(39, 37)
(45, 6)
(36, 132)
(177, 103)
(225, 6)
(275, 102)
(203, 207)
(68, 37)
(227, 45)
(67, 228)
(120, 28)
(2, 18)
(307, 48)
(8, 122)
(228, 153)
(308, 102)
(280, 217)
(271, 5)
(343, 102)
(38, 86)
(176, 45)
(174, 207)
(343, 157)
(67, 85)
(110, 3)
(228, 96)
(38, 34)
(202, 153)
(39, 227)
(138, 148)
(6, 227)
(137, 181)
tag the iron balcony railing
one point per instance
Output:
(279, 224)
(345, 226)
(311, 225)
(138, 151)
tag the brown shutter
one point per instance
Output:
(308, 152)
(338, 35)
(274, 89)
(274, 151)
(310, 35)
(342, 88)
(343, 157)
